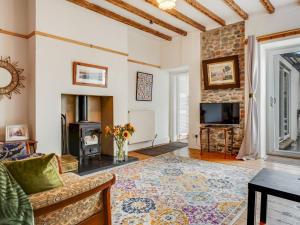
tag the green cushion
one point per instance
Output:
(36, 174)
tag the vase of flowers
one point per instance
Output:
(121, 134)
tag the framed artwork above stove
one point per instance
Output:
(89, 75)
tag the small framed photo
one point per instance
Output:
(144, 84)
(89, 75)
(221, 73)
(16, 133)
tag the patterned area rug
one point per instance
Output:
(171, 190)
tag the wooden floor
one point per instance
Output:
(229, 160)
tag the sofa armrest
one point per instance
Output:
(54, 199)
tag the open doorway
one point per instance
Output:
(283, 97)
(179, 106)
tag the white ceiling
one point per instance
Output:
(252, 7)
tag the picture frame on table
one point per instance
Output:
(17, 132)
(90, 75)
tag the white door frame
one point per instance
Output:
(272, 143)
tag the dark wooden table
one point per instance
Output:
(271, 182)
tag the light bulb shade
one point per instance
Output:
(166, 4)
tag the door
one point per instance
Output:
(284, 102)
(183, 106)
(179, 106)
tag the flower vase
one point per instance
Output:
(120, 152)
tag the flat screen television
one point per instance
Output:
(220, 113)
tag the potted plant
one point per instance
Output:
(120, 134)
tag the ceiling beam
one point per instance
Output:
(130, 8)
(179, 16)
(235, 7)
(115, 16)
(201, 8)
(268, 6)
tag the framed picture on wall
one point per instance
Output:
(89, 75)
(16, 133)
(144, 84)
(221, 73)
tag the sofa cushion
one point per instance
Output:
(36, 174)
(11, 151)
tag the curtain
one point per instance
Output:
(249, 147)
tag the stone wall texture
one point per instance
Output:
(225, 41)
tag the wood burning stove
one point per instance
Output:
(84, 136)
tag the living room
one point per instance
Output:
(150, 154)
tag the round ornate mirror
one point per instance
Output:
(10, 78)
(5, 77)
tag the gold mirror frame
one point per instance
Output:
(16, 78)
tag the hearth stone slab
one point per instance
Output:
(106, 162)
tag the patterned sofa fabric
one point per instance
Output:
(74, 213)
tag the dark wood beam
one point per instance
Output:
(115, 16)
(268, 6)
(235, 7)
(201, 8)
(130, 8)
(179, 16)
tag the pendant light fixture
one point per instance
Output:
(166, 4)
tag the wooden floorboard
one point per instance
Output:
(229, 160)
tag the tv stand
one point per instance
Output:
(228, 131)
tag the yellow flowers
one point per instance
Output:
(126, 135)
(120, 133)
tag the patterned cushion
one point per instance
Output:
(13, 150)
(75, 213)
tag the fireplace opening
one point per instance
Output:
(83, 119)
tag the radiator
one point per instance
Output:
(144, 123)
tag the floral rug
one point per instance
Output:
(171, 190)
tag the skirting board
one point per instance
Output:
(137, 146)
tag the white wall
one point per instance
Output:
(145, 49)
(283, 19)
(13, 15)
(49, 63)
(14, 110)
(53, 70)
(184, 52)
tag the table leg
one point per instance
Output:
(232, 140)
(200, 139)
(251, 207)
(225, 143)
(263, 208)
(208, 139)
